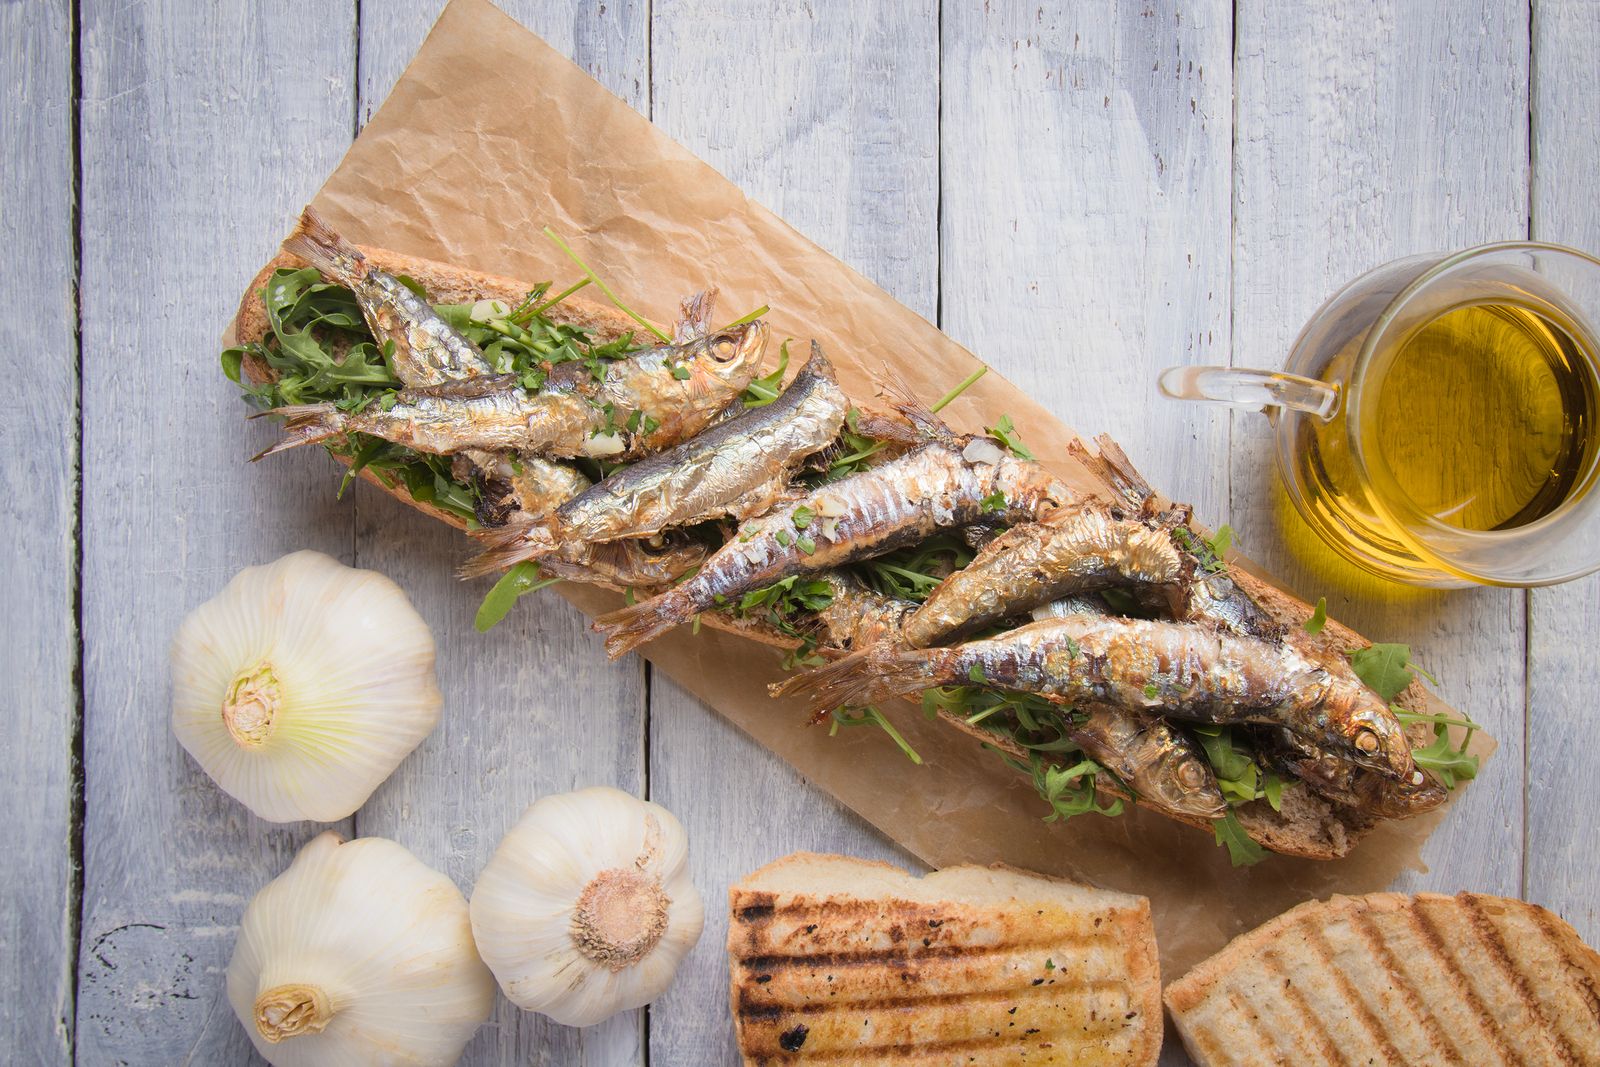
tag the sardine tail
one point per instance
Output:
(304, 424)
(314, 241)
(506, 546)
(641, 623)
(876, 673)
(893, 386)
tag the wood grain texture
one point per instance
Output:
(1564, 621)
(533, 707)
(38, 468)
(828, 114)
(1360, 139)
(1084, 245)
(203, 129)
(1085, 153)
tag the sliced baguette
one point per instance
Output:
(1395, 979)
(841, 960)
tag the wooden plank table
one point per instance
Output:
(1082, 193)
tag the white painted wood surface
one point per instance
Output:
(38, 469)
(202, 131)
(1082, 193)
(1360, 139)
(827, 114)
(1560, 849)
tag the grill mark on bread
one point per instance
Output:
(753, 1009)
(1494, 943)
(1429, 933)
(903, 953)
(1304, 1015)
(1315, 936)
(1044, 1040)
(1362, 923)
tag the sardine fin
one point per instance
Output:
(875, 673)
(314, 241)
(892, 385)
(641, 623)
(695, 320)
(304, 424)
(506, 546)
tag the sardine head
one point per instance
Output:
(1187, 786)
(1374, 738)
(731, 357)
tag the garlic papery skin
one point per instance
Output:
(302, 685)
(586, 908)
(358, 955)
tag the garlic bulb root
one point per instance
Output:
(586, 908)
(622, 913)
(290, 1010)
(302, 685)
(356, 951)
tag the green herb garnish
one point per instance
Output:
(1242, 850)
(522, 579)
(1006, 433)
(764, 390)
(871, 716)
(1319, 617)
(606, 289)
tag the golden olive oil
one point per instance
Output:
(1483, 417)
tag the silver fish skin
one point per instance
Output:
(737, 468)
(567, 417)
(1162, 764)
(941, 485)
(857, 616)
(1079, 550)
(536, 486)
(427, 350)
(1176, 670)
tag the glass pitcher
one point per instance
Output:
(1435, 421)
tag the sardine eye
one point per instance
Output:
(1190, 776)
(1366, 741)
(724, 350)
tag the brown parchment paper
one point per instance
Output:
(451, 169)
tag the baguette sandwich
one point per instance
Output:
(1099, 641)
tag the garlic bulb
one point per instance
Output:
(358, 954)
(302, 685)
(586, 908)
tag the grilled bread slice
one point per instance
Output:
(1395, 979)
(840, 960)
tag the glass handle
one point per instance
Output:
(1257, 390)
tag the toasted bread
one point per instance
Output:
(1395, 979)
(842, 960)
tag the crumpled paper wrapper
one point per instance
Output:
(490, 136)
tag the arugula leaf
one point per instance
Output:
(1068, 789)
(1319, 617)
(764, 390)
(1006, 433)
(995, 501)
(742, 319)
(1221, 541)
(520, 580)
(1448, 762)
(1243, 851)
(871, 716)
(1384, 668)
